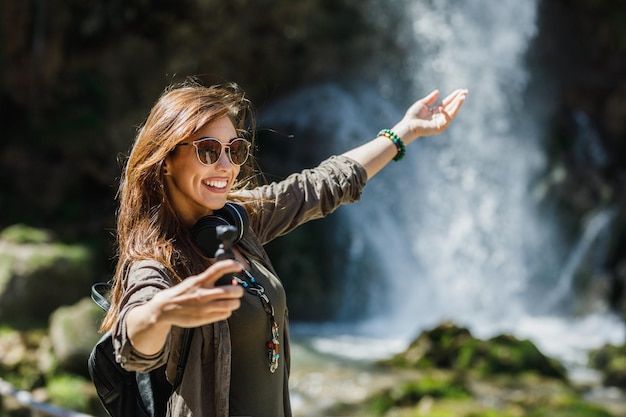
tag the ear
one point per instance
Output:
(164, 168)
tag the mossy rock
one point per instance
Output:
(506, 354)
(71, 392)
(441, 393)
(448, 346)
(410, 393)
(574, 408)
(436, 348)
(21, 233)
(20, 354)
(73, 333)
(37, 276)
(611, 362)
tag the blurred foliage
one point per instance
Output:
(21, 233)
(448, 394)
(440, 386)
(69, 391)
(575, 408)
(611, 362)
(37, 275)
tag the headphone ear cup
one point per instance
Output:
(204, 232)
(236, 216)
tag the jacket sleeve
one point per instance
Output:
(143, 280)
(308, 195)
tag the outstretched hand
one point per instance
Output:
(194, 302)
(425, 118)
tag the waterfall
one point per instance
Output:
(453, 230)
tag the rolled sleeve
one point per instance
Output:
(310, 194)
(143, 281)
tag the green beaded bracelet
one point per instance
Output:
(391, 135)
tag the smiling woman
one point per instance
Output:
(166, 277)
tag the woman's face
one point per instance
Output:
(196, 190)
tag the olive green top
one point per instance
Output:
(255, 391)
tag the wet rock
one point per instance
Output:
(73, 333)
(38, 275)
(448, 346)
(611, 362)
(12, 350)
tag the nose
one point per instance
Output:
(224, 160)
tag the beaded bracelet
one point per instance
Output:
(391, 135)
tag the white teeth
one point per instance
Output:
(216, 183)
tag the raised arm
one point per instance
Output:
(423, 118)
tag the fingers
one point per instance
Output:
(204, 307)
(431, 98)
(202, 287)
(449, 105)
(193, 302)
(456, 94)
(452, 103)
(428, 118)
(196, 301)
(191, 293)
(210, 275)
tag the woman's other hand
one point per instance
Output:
(425, 118)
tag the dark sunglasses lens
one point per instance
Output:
(209, 151)
(239, 150)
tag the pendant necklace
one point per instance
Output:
(254, 288)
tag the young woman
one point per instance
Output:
(191, 159)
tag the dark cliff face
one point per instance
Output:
(579, 55)
(582, 45)
(78, 77)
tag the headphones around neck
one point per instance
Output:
(204, 232)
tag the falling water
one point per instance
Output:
(454, 230)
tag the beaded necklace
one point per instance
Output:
(254, 288)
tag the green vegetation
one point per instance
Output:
(450, 347)
(70, 391)
(440, 386)
(611, 361)
(21, 233)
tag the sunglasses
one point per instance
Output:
(209, 150)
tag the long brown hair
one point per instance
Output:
(147, 226)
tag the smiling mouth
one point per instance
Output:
(216, 183)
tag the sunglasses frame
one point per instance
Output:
(223, 145)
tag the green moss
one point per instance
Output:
(575, 409)
(507, 355)
(488, 413)
(5, 329)
(20, 233)
(441, 412)
(450, 347)
(69, 391)
(611, 362)
(439, 386)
